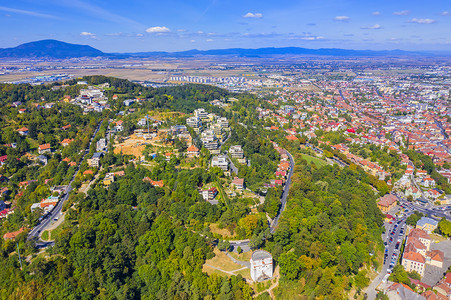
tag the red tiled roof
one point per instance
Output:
(417, 257)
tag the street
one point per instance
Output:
(56, 211)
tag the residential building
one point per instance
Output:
(101, 145)
(94, 161)
(413, 261)
(192, 151)
(195, 123)
(427, 224)
(44, 148)
(23, 131)
(238, 183)
(209, 194)
(220, 161)
(201, 113)
(387, 202)
(435, 258)
(236, 152)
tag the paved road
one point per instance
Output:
(283, 199)
(397, 236)
(244, 244)
(46, 222)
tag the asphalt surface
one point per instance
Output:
(410, 207)
(244, 244)
(390, 260)
(49, 218)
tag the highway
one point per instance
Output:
(56, 211)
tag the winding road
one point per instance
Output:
(46, 222)
(283, 199)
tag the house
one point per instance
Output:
(428, 182)
(442, 289)
(3, 159)
(66, 142)
(192, 151)
(238, 183)
(42, 159)
(44, 148)
(387, 202)
(66, 127)
(109, 178)
(23, 131)
(220, 161)
(435, 258)
(13, 235)
(400, 291)
(422, 236)
(94, 161)
(88, 172)
(142, 122)
(210, 194)
(413, 261)
(236, 152)
(101, 145)
(427, 224)
(153, 182)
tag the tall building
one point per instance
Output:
(261, 265)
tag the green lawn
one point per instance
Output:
(318, 162)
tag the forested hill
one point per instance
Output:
(133, 239)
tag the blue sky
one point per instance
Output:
(148, 25)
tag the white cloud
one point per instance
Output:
(209, 40)
(445, 13)
(158, 29)
(375, 26)
(376, 13)
(312, 38)
(192, 41)
(88, 34)
(402, 13)
(342, 18)
(422, 21)
(253, 15)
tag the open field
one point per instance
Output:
(318, 162)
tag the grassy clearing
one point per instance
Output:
(318, 162)
(221, 261)
(45, 236)
(245, 256)
(209, 270)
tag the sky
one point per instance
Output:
(177, 25)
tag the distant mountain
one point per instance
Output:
(57, 49)
(278, 51)
(50, 49)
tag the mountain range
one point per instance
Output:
(54, 49)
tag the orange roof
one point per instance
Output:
(88, 172)
(292, 138)
(23, 129)
(192, 148)
(12, 235)
(417, 257)
(44, 146)
(67, 141)
(67, 159)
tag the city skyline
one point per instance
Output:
(116, 26)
